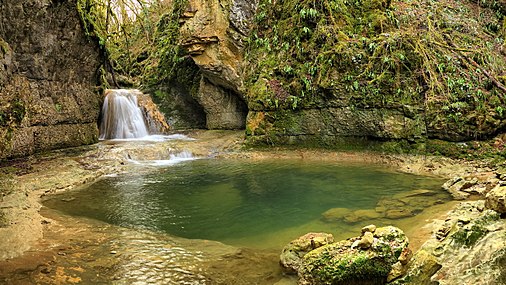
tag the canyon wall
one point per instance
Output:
(48, 67)
(325, 73)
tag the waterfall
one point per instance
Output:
(121, 116)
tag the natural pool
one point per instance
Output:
(255, 204)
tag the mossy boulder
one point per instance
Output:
(291, 257)
(367, 259)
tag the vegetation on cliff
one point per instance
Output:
(444, 57)
(140, 39)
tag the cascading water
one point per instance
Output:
(122, 117)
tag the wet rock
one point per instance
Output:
(496, 199)
(398, 213)
(361, 215)
(501, 173)
(398, 269)
(415, 193)
(456, 187)
(342, 263)
(405, 256)
(335, 214)
(292, 254)
(155, 120)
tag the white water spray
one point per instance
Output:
(122, 117)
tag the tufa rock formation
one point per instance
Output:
(47, 77)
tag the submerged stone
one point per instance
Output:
(335, 214)
(362, 215)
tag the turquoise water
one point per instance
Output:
(240, 202)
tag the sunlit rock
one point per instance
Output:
(367, 259)
(292, 254)
(496, 199)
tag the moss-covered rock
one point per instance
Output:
(293, 253)
(415, 69)
(367, 259)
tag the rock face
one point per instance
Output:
(496, 199)
(368, 259)
(224, 110)
(308, 77)
(213, 33)
(46, 79)
(466, 248)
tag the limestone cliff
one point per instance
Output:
(47, 78)
(214, 33)
(328, 71)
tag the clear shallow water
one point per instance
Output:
(241, 202)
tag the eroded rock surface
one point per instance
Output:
(214, 33)
(292, 254)
(466, 248)
(47, 78)
(496, 199)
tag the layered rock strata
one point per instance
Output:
(47, 78)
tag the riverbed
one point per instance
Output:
(49, 245)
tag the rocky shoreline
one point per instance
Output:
(27, 180)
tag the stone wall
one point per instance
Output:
(47, 78)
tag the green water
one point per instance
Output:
(239, 202)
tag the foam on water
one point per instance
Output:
(155, 138)
(174, 159)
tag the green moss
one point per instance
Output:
(469, 235)
(347, 268)
(377, 54)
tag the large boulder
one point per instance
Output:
(367, 259)
(468, 247)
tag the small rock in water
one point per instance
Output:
(68, 199)
(113, 252)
